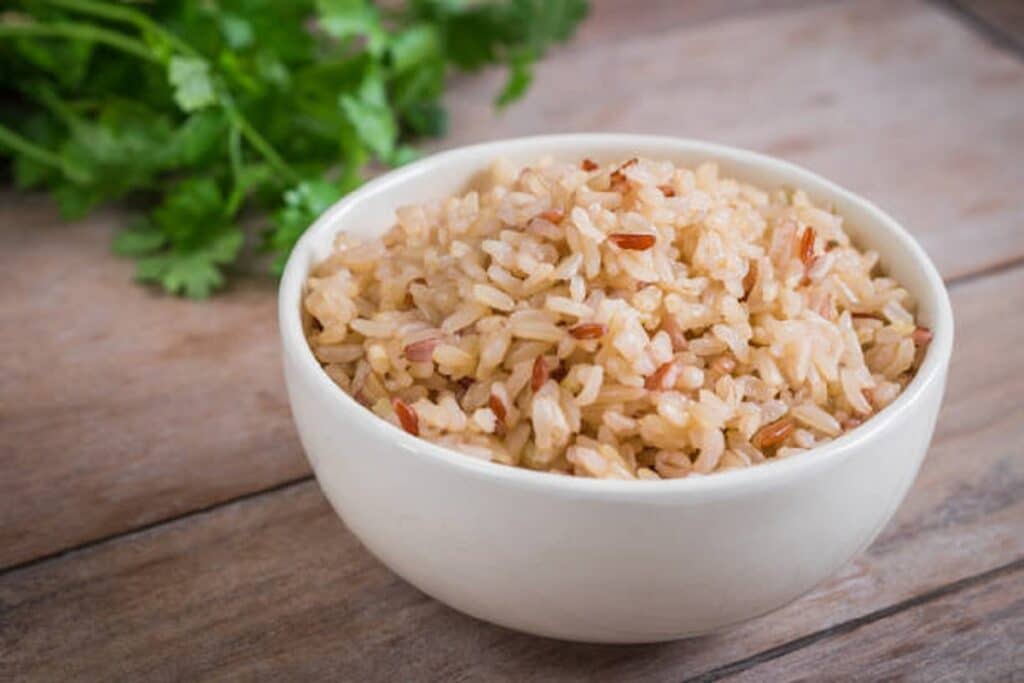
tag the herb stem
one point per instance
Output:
(79, 31)
(127, 15)
(258, 141)
(237, 168)
(235, 153)
(43, 94)
(17, 143)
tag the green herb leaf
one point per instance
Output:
(196, 272)
(371, 116)
(353, 18)
(193, 275)
(414, 46)
(426, 119)
(237, 30)
(198, 139)
(520, 75)
(143, 238)
(374, 123)
(190, 77)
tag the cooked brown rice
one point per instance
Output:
(637, 320)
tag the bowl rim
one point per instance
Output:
(798, 466)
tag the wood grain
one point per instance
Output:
(973, 634)
(120, 408)
(275, 587)
(612, 21)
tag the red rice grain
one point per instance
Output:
(497, 407)
(663, 377)
(539, 375)
(553, 216)
(807, 247)
(407, 417)
(773, 433)
(422, 350)
(632, 241)
(921, 336)
(588, 330)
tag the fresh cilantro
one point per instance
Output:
(139, 240)
(194, 274)
(520, 75)
(190, 77)
(198, 140)
(416, 45)
(192, 265)
(371, 116)
(203, 112)
(345, 19)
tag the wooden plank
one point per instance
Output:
(120, 407)
(974, 634)
(152, 412)
(275, 587)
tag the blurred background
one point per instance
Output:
(152, 491)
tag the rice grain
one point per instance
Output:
(632, 320)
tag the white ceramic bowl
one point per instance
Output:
(609, 561)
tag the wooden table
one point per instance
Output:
(157, 517)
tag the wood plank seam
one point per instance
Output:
(103, 540)
(991, 270)
(961, 11)
(854, 624)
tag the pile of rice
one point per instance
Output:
(637, 320)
